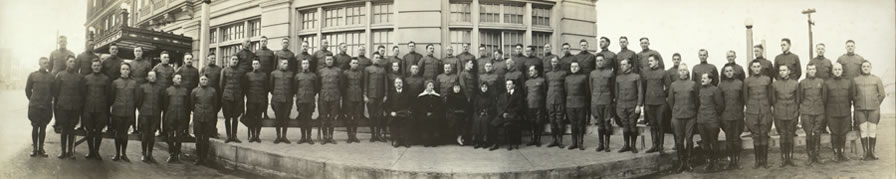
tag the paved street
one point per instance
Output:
(15, 145)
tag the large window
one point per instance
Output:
(355, 15)
(333, 17)
(382, 37)
(211, 35)
(511, 38)
(460, 12)
(233, 32)
(351, 15)
(458, 38)
(489, 13)
(353, 39)
(491, 39)
(228, 51)
(309, 19)
(541, 16)
(312, 42)
(538, 40)
(513, 14)
(504, 40)
(254, 27)
(382, 13)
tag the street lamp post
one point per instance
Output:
(749, 24)
(809, 12)
(203, 34)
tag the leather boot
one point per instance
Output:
(600, 143)
(633, 140)
(575, 140)
(653, 136)
(711, 156)
(765, 156)
(607, 142)
(625, 143)
(872, 144)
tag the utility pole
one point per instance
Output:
(203, 34)
(749, 24)
(809, 12)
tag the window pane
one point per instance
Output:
(352, 39)
(460, 12)
(489, 12)
(309, 19)
(382, 13)
(458, 38)
(513, 14)
(382, 37)
(312, 42)
(491, 39)
(539, 39)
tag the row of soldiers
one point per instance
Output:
(421, 95)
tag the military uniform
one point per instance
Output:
(852, 65)
(566, 60)
(213, 72)
(233, 83)
(683, 95)
(480, 64)
(642, 60)
(822, 67)
(516, 75)
(705, 68)
(610, 58)
(256, 102)
(602, 100)
(791, 61)
(39, 89)
(766, 67)
(332, 85)
(625, 53)
(353, 101)
(124, 107)
(392, 59)
(164, 74)
(342, 60)
(556, 104)
(519, 62)
(414, 84)
(245, 60)
(535, 89)
(282, 88)
(786, 112)
(318, 59)
(96, 109)
(139, 69)
(546, 63)
(812, 113)
(294, 63)
(712, 103)
(376, 84)
(204, 115)
(838, 105)
(628, 91)
(430, 67)
(149, 102)
(307, 85)
(69, 101)
(869, 94)
(409, 59)
(654, 84)
(462, 59)
(189, 75)
(176, 101)
(733, 117)
(57, 60)
(758, 96)
(576, 86)
(531, 61)
(738, 71)
(267, 59)
(112, 67)
(445, 82)
(84, 61)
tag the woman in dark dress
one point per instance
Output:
(484, 111)
(458, 107)
(429, 109)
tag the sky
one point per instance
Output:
(29, 27)
(685, 26)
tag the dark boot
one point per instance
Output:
(600, 143)
(625, 143)
(633, 140)
(872, 144)
(229, 130)
(681, 160)
(757, 155)
(607, 142)
(653, 136)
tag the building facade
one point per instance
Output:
(497, 24)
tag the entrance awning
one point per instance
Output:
(152, 42)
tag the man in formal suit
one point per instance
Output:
(510, 111)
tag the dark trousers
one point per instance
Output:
(655, 115)
(684, 132)
(329, 111)
(305, 110)
(481, 127)
(456, 120)
(536, 116)
(733, 129)
(401, 128)
(602, 114)
(377, 122)
(148, 140)
(203, 130)
(557, 115)
(787, 129)
(511, 133)
(759, 125)
(577, 123)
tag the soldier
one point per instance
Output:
(282, 88)
(469, 86)
(113, 63)
(609, 56)
(398, 107)
(39, 89)
(482, 60)
(671, 76)
(497, 65)
(429, 108)
(556, 102)
(307, 85)
(141, 67)
(96, 108)
(654, 82)
(811, 109)
(319, 57)
(164, 71)
(510, 112)
(190, 79)
(733, 116)
(531, 60)
(683, 99)
(647, 52)
(705, 67)
(266, 56)
(69, 102)
(204, 113)
(601, 84)
(513, 73)
(465, 57)
(534, 89)
(59, 56)
(489, 77)
(546, 58)
(576, 85)
(567, 57)
(758, 96)
(456, 114)
(851, 61)
(629, 102)
(766, 64)
(452, 60)
(585, 58)
(711, 104)
(738, 70)
(430, 65)
(485, 111)
(285, 54)
(149, 102)
(624, 52)
(447, 80)
(342, 59)
(519, 58)
(353, 101)
(414, 81)
(787, 59)
(412, 58)
(394, 72)
(363, 61)
(246, 57)
(869, 94)
(256, 100)
(233, 84)
(176, 102)
(124, 105)
(303, 54)
(85, 59)
(395, 59)
(381, 49)
(838, 103)
(331, 90)
(786, 112)
(375, 88)
(822, 65)
(213, 72)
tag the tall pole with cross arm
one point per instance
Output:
(809, 12)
